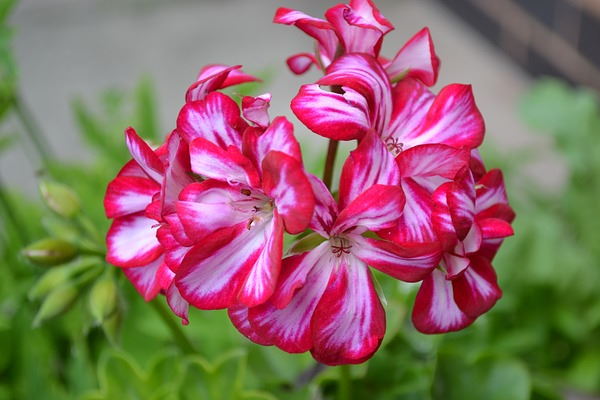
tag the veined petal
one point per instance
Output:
(461, 202)
(144, 155)
(477, 290)
(441, 219)
(214, 77)
(435, 310)
(214, 271)
(416, 59)
(319, 29)
(131, 241)
(150, 279)
(212, 161)
(178, 304)
(261, 280)
(412, 100)
(239, 317)
(365, 13)
(205, 207)
(432, 160)
(370, 164)
(279, 136)
(326, 209)
(177, 174)
(215, 118)
(355, 34)
(453, 119)
(290, 328)
(492, 192)
(409, 264)
(365, 75)
(285, 181)
(329, 114)
(454, 265)
(301, 62)
(414, 224)
(379, 207)
(177, 231)
(128, 195)
(256, 109)
(349, 322)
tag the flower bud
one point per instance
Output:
(58, 301)
(50, 251)
(112, 325)
(103, 298)
(60, 198)
(59, 275)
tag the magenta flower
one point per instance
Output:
(325, 300)
(255, 188)
(359, 27)
(470, 223)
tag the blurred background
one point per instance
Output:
(75, 73)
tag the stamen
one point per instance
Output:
(343, 248)
(394, 145)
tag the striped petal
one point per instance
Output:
(239, 317)
(301, 62)
(131, 241)
(256, 109)
(144, 155)
(178, 305)
(214, 77)
(416, 59)
(477, 290)
(461, 202)
(215, 118)
(177, 174)
(150, 279)
(128, 195)
(432, 160)
(358, 33)
(279, 136)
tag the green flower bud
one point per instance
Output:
(58, 301)
(59, 275)
(50, 251)
(112, 325)
(60, 198)
(103, 298)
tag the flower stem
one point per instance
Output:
(180, 338)
(345, 383)
(33, 131)
(330, 162)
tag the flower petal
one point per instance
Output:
(279, 136)
(329, 114)
(239, 317)
(301, 62)
(260, 282)
(461, 202)
(208, 206)
(491, 192)
(477, 290)
(214, 77)
(215, 270)
(144, 155)
(150, 279)
(326, 209)
(494, 228)
(215, 118)
(286, 183)
(379, 207)
(432, 160)
(349, 322)
(174, 251)
(370, 164)
(435, 310)
(128, 195)
(409, 264)
(412, 100)
(416, 59)
(356, 34)
(256, 109)
(177, 174)
(228, 165)
(178, 304)
(131, 241)
(289, 328)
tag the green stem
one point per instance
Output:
(11, 216)
(179, 336)
(330, 162)
(33, 131)
(345, 383)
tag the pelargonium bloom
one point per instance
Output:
(470, 219)
(255, 187)
(359, 27)
(325, 300)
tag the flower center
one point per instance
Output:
(394, 145)
(258, 206)
(340, 246)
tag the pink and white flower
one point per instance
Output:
(470, 221)
(325, 301)
(359, 27)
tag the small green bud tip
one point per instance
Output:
(50, 251)
(60, 198)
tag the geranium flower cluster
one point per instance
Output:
(201, 219)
